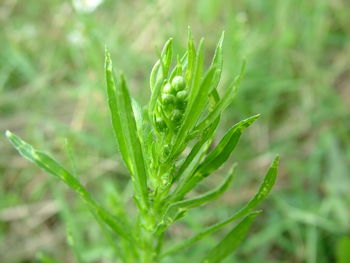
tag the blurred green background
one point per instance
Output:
(52, 91)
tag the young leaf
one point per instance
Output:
(199, 149)
(115, 114)
(166, 56)
(158, 75)
(154, 75)
(51, 166)
(197, 74)
(223, 104)
(218, 60)
(223, 150)
(215, 158)
(191, 58)
(218, 55)
(125, 129)
(263, 191)
(230, 241)
(193, 112)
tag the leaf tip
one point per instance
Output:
(252, 119)
(233, 169)
(256, 116)
(256, 213)
(276, 161)
(221, 40)
(108, 61)
(8, 134)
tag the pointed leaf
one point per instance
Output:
(199, 149)
(218, 60)
(125, 129)
(191, 57)
(215, 158)
(230, 241)
(51, 166)
(225, 147)
(166, 56)
(194, 86)
(154, 75)
(158, 75)
(223, 104)
(263, 191)
(193, 113)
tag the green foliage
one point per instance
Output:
(343, 249)
(184, 110)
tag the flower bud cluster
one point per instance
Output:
(172, 103)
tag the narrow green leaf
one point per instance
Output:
(158, 76)
(263, 191)
(51, 166)
(191, 57)
(215, 158)
(166, 56)
(125, 129)
(230, 241)
(177, 71)
(199, 149)
(194, 86)
(193, 112)
(223, 104)
(218, 55)
(154, 75)
(225, 147)
(218, 60)
(115, 113)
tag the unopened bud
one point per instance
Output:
(168, 89)
(168, 99)
(178, 83)
(177, 116)
(160, 124)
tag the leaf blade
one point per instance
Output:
(158, 75)
(264, 189)
(230, 242)
(222, 104)
(54, 168)
(215, 158)
(125, 129)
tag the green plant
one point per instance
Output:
(182, 116)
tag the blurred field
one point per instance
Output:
(298, 77)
